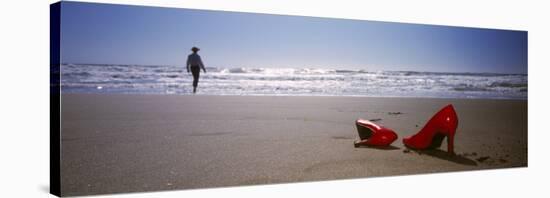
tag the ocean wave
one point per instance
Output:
(469, 88)
(509, 84)
(290, 81)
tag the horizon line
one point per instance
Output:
(174, 65)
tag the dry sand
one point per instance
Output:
(132, 143)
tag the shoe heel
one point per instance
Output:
(450, 143)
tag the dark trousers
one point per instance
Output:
(195, 70)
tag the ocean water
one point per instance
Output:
(139, 79)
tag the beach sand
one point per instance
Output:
(132, 143)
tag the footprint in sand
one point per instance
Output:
(342, 137)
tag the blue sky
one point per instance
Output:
(118, 34)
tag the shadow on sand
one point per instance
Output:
(437, 153)
(380, 147)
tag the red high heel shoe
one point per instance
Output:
(442, 124)
(372, 134)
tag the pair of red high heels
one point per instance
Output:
(442, 124)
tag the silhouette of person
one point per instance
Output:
(195, 63)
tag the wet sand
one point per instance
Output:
(133, 143)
